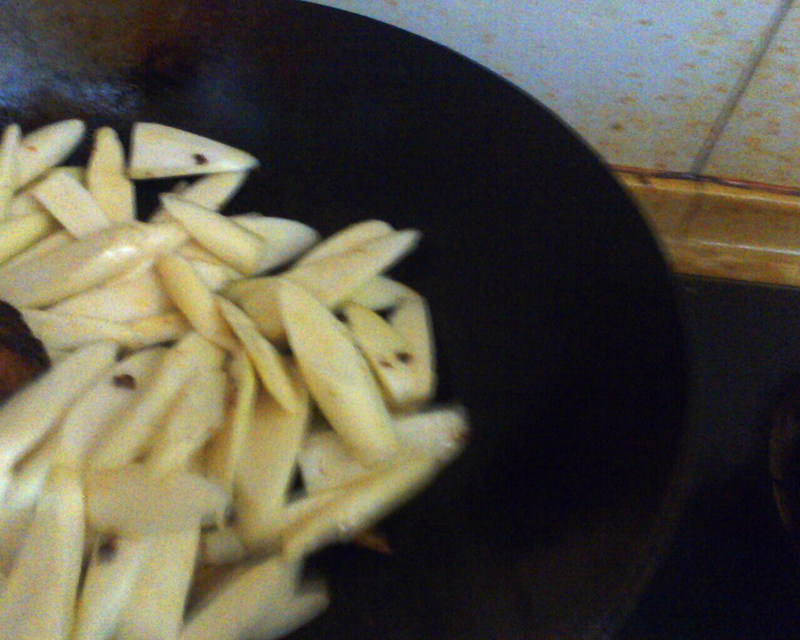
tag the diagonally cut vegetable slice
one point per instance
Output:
(159, 151)
(130, 431)
(17, 234)
(329, 279)
(46, 147)
(267, 361)
(9, 143)
(380, 293)
(242, 249)
(347, 239)
(326, 463)
(113, 569)
(39, 248)
(156, 606)
(196, 416)
(71, 204)
(165, 327)
(359, 505)
(29, 414)
(91, 261)
(132, 501)
(106, 179)
(129, 297)
(286, 239)
(214, 191)
(224, 452)
(337, 376)
(37, 600)
(83, 425)
(58, 331)
(388, 353)
(266, 468)
(194, 299)
(263, 601)
(412, 320)
(222, 546)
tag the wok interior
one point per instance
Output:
(555, 319)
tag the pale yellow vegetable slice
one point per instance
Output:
(286, 239)
(381, 292)
(267, 464)
(51, 241)
(214, 191)
(159, 151)
(241, 249)
(440, 433)
(127, 298)
(388, 353)
(194, 299)
(106, 179)
(129, 433)
(84, 424)
(29, 414)
(330, 279)
(165, 327)
(337, 376)
(71, 204)
(359, 505)
(47, 147)
(215, 275)
(23, 203)
(91, 261)
(64, 332)
(263, 601)
(114, 567)
(195, 417)
(267, 361)
(348, 239)
(132, 501)
(412, 320)
(17, 234)
(155, 610)
(9, 143)
(38, 599)
(224, 452)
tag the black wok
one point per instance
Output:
(555, 317)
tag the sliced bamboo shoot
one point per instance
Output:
(8, 166)
(222, 546)
(18, 234)
(46, 147)
(412, 320)
(132, 501)
(258, 298)
(381, 293)
(39, 596)
(194, 299)
(388, 353)
(196, 416)
(165, 327)
(91, 261)
(129, 433)
(214, 191)
(112, 573)
(337, 376)
(159, 151)
(39, 248)
(29, 414)
(224, 452)
(263, 601)
(241, 249)
(348, 239)
(62, 332)
(155, 610)
(267, 465)
(71, 204)
(106, 179)
(286, 239)
(267, 361)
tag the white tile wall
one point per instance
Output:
(641, 80)
(761, 141)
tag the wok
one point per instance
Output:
(555, 316)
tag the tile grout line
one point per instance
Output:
(737, 92)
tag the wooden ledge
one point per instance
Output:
(742, 232)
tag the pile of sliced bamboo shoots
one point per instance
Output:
(201, 364)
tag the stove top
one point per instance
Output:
(731, 572)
